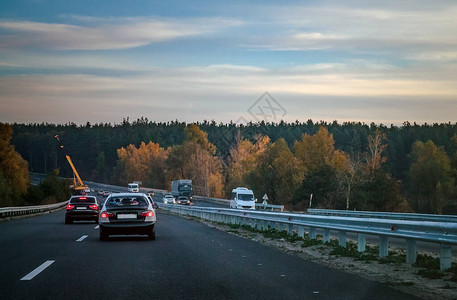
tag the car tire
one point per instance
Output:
(68, 220)
(152, 234)
(103, 235)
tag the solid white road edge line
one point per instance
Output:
(38, 270)
(81, 238)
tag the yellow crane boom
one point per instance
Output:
(78, 184)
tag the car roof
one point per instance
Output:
(128, 194)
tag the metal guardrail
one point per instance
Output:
(384, 215)
(259, 206)
(443, 233)
(213, 200)
(25, 210)
(271, 207)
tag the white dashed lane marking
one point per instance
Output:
(81, 238)
(96, 227)
(37, 270)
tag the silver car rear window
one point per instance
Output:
(126, 201)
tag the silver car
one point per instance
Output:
(183, 200)
(168, 198)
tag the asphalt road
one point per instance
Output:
(188, 260)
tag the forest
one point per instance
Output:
(352, 165)
(15, 186)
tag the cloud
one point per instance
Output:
(104, 34)
(393, 29)
(386, 62)
(356, 90)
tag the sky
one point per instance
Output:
(82, 61)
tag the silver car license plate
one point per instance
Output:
(126, 216)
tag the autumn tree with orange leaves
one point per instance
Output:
(321, 164)
(145, 163)
(196, 159)
(14, 176)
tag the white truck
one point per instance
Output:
(242, 198)
(133, 187)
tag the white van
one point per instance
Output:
(242, 198)
(133, 188)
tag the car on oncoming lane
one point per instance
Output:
(126, 214)
(82, 208)
(168, 198)
(183, 200)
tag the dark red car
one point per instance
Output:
(82, 208)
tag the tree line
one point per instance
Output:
(347, 166)
(15, 187)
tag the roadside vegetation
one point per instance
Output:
(426, 265)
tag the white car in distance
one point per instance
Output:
(168, 198)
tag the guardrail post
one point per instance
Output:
(383, 246)
(342, 238)
(312, 233)
(277, 226)
(361, 242)
(244, 221)
(290, 229)
(301, 231)
(259, 225)
(411, 251)
(253, 225)
(326, 237)
(445, 256)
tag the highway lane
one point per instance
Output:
(189, 260)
